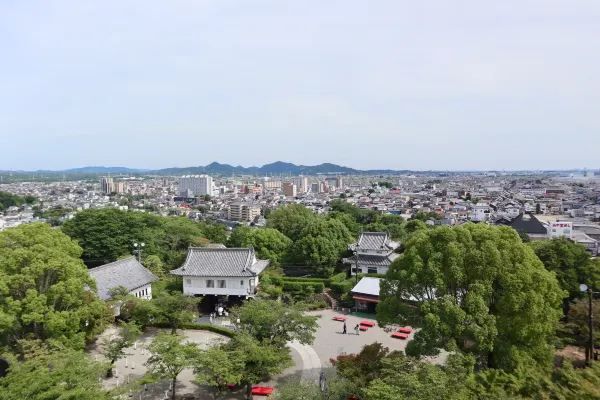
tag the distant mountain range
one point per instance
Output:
(215, 168)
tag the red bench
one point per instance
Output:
(368, 323)
(262, 390)
(405, 330)
(339, 318)
(363, 328)
(398, 335)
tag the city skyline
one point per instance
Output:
(395, 85)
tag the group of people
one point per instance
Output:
(219, 311)
(356, 329)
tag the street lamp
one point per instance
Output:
(589, 352)
(138, 250)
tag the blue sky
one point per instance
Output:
(475, 84)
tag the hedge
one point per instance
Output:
(316, 287)
(291, 279)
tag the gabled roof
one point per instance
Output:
(205, 261)
(526, 223)
(372, 240)
(127, 272)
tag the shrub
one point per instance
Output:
(310, 287)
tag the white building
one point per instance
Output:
(480, 212)
(242, 211)
(373, 253)
(301, 183)
(558, 229)
(221, 272)
(127, 273)
(196, 185)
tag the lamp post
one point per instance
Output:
(138, 250)
(589, 352)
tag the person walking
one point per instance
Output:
(357, 330)
(344, 332)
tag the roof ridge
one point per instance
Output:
(113, 262)
(219, 248)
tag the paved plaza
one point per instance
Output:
(330, 342)
(308, 360)
(132, 367)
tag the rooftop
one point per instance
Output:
(127, 272)
(210, 261)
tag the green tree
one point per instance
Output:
(570, 262)
(175, 309)
(155, 265)
(260, 360)
(274, 323)
(218, 368)
(44, 288)
(298, 390)
(269, 243)
(216, 233)
(481, 291)
(322, 244)
(414, 225)
(577, 321)
(12, 200)
(402, 377)
(114, 349)
(425, 216)
(170, 356)
(59, 375)
(291, 220)
(107, 234)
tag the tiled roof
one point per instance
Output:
(127, 272)
(372, 240)
(204, 261)
(373, 259)
(525, 223)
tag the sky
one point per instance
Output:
(446, 85)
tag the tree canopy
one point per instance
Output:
(107, 234)
(269, 243)
(322, 244)
(477, 289)
(291, 220)
(45, 290)
(570, 262)
(12, 200)
(169, 356)
(274, 323)
(58, 375)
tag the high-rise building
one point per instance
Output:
(195, 185)
(107, 185)
(301, 183)
(272, 185)
(120, 187)
(289, 189)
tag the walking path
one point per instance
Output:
(311, 364)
